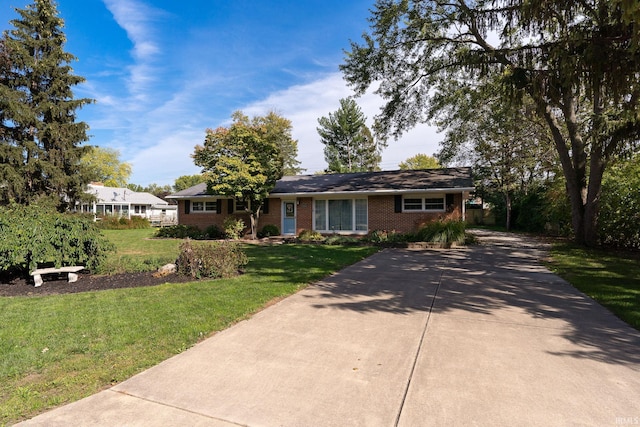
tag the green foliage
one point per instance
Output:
(33, 236)
(233, 227)
(619, 221)
(337, 239)
(40, 140)
(310, 236)
(179, 232)
(186, 181)
(269, 230)
(349, 145)
(115, 223)
(213, 232)
(210, 260)
(445, 232)
(575, 61)
(420, 161)
(243, 162)
(384, 236)
(104, 165)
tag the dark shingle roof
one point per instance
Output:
(362, 182)
(389, 181)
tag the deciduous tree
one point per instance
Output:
(185, 181)
(243, 162)
(420, 161)
(40, 138)
(578, 61)
(349, 144)
(104, 165)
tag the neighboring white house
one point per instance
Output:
(122, 202)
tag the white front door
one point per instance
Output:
(289, 217)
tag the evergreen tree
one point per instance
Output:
(40, 139)
(349, 144)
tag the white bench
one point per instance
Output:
(72, 270)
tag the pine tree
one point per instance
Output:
(40, 139)
(349, 145)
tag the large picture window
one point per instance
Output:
(335, 215)
(419, 204)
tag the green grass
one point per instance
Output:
(58, 349)
(611, 278)
(137, 250)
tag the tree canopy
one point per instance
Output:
(349, 144)
(419, 161)
(185, 181)
(277, 130)
(577, 61)
(242, 161)
(40, 138)
(103, 165)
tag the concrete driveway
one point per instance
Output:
(480, 336)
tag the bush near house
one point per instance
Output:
(179, 232)
(115, 223)
(268, 231)
(33, 235)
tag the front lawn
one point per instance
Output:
(137, 250)
(58, 349)
(611, 278)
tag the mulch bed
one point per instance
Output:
(17, 285)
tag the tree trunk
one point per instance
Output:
(254, 217)
(507, 201)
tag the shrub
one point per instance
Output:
(310, 236)
(211, 259)
(213, 232)
(445, 232)
(179, 232)
(33, 235)
(116, 223)
(341, 240)
(233, 227)
(268, 231)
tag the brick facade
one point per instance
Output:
(202, 220)
(381, 215)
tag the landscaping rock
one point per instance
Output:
(166, 270)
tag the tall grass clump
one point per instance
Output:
(443, 232)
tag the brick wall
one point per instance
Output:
(304, 214)
(203, 220)
(382, 215)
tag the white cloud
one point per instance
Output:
(304, 104)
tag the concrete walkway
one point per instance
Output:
(480, 336)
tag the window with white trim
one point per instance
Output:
(334, 215)
(423, 204)
(210, 206)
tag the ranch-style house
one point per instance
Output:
(344, 203)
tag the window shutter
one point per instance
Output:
(230, 205)
(449, 203)
(398, 204)
(265, 206)
(187, 206)
(219, 206)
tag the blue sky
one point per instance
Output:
(163, 71)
